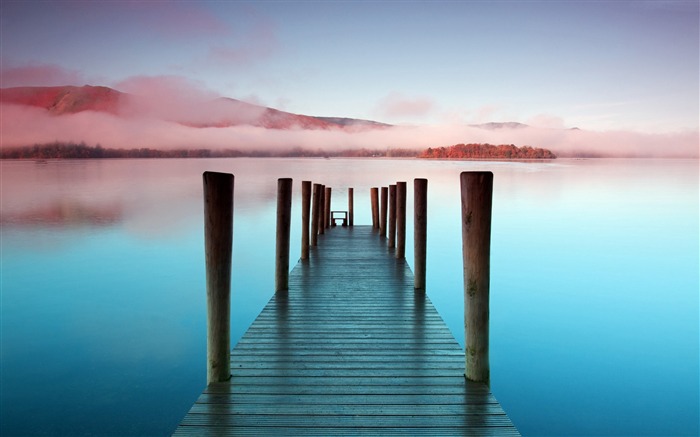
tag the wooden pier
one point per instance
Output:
(350, 348)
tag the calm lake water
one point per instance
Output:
(594, 291)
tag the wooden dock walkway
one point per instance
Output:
(350, 349)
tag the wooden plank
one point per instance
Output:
(417, 351)
(431, 381)
(475, 431)
(351, 389)
(334, 409)
(343, 420)
(431, 400)
(426, 364)
(350, 348)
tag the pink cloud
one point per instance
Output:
(177, 99)
(396, 105)
(40, 75)
(165, 88)
(163, 97)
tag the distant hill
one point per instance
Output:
(206, 113)
(216, 113)
(221, 112)
(60, 100)
(348, 122)
(500, 125)
(226, 112)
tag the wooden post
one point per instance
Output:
(420, 230)
(218, 241)
(477, 189)
(382, 214)
(350, 206)
(316, 210)
(392, 215)
(400, 220)
(284, 216)
(322, 211)
(327, 200)
(374, 199)
(305, 210)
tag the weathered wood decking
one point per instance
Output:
(351, 348)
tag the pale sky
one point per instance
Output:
(596, 65)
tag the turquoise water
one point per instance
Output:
(594, 292)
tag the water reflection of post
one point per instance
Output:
(316, 210)
(283, 334)
(351, 215)
(284, 216)
(419, 329)
(476, 189)
(218, 240)
(400, 220)
(305, 209)
(420, 230)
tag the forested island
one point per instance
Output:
(487, 151)
(61, 150)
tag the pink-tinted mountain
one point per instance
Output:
(60, 100)
(221, 112)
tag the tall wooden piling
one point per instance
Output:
(392, 216)
(400, 220)
(305, 210)
(284, 216)
(477, 189)
(374, 199)
(327, 201)
(316, 210)
(420, 230)
(218, 241)
(351, 215)
(382, 211)
(322, 212)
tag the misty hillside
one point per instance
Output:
(60, 100)
(170, 118)
(346, 122)
(221, 112)
(217, 113)
(501, 125)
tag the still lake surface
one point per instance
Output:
(594, 290)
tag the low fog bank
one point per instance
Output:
(177, 99)
(26, 126)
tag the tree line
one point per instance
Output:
(61, 150)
